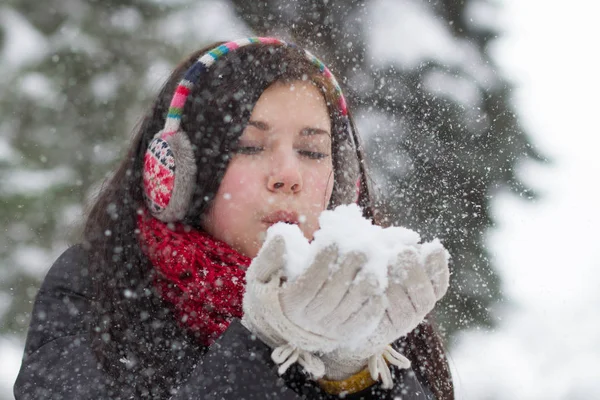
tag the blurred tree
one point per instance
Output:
(440, 132)
(66, 111)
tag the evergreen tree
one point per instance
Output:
(65, 116)
(441, 135)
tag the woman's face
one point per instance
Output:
(281, 171)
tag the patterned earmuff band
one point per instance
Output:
(191, 77)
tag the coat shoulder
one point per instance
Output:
(69, 273)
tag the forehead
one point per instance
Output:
(297, 101)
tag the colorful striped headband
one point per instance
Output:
(173, 122)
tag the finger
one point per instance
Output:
(303, 289)
(270, 259)
(401, 309)
(335, 288)
(416, 284)
(384, 331)
(436, 267)
(355, 298)
(408, 256)
(365, 321)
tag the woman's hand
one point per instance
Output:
(417, 279)
(337, 308)
(329, 304)
(335, 297)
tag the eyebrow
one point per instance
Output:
(309, 131)
(263, 126)
(306, 131)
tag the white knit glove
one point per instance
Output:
(417, 279)
(324, 306)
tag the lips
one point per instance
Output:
(289, 217)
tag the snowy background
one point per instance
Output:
(546, 345)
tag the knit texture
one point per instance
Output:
(159, 174)
(202, 277)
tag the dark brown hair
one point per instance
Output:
(134, 332)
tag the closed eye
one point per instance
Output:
(314, 155)
(249, 150)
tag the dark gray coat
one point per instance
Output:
(59, 363)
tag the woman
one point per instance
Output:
(243, 135)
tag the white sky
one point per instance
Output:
(549, 346)
(548, 343)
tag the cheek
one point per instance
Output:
(231, 201)
(235, 182)
(320, 182)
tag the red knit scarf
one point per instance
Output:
(202, 277)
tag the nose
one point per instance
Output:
(285, 175)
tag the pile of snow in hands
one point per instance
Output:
(351, 232)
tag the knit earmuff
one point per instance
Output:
(169, 163)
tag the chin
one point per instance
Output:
(251, 253)
(309, 232)
(252, 250)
